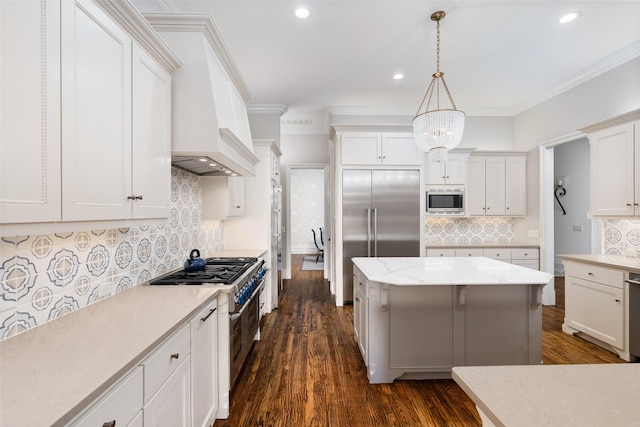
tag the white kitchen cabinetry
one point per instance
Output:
(120, 405)
(223, 197)
(204, 360)
(30, 165)
(171, 405)
(453, 171)
(615, 170)
(595, 303)
(108, 170)
(151, 151)
(523, 256)
(496, 186)
(360, 307)
(375, 149)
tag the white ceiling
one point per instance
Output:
(500, 57)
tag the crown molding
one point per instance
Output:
(136, 24)
(617, 120)
(279, 109)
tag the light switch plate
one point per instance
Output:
(534, 234)
(577, 228)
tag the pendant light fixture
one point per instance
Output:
(439, 129)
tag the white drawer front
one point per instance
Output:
(120, 404)
(595, 273)
(501, 254)
(163, 361)
(469, 252)
(527, 253)
(529, 263)
(441, 252)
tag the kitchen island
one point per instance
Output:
(416, 318)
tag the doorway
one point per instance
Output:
(564, 201)
(305, 202)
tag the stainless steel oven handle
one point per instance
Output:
(233, 316)
(634, 282)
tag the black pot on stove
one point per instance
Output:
(194, 262)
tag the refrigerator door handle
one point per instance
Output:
(375, 232)
(368, 232)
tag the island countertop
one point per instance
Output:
(408, 271)
(554, 395)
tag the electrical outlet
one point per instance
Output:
(577, 228)
(534, 234)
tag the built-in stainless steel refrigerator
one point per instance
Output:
(380, 217)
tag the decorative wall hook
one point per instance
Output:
(559, 192)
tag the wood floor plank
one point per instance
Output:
(307, 370)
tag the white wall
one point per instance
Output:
(571, 160)
(608, 95)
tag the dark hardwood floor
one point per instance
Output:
(307, 369)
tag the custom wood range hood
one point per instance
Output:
(210, 127)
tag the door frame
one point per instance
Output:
(547, 206)
(286, 261)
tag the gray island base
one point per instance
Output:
(416, 318)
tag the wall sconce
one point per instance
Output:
(560, 191)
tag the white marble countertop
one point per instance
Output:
(448, 271)
(555, 395)
(620, 262)
(486, 245)
(48, 374)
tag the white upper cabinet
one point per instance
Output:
(222, 197)
(496, 185)
(615, 170)
(375, 149)
(151, 169)
(30, 111)
(450, 172)
(96, 115)
(86, 112)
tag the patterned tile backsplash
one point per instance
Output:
(620, 237)
(469, 230)
(43, 277)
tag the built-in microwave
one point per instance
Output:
(445, 201)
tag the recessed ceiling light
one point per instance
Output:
(203, 160)
(302, 13)
(569, 17)
(212, 164)
(227, 172)
(398, 76)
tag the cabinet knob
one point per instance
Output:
(617, 300)
(590, 274)
(138, 197)
(237, 207)
(131, 197)
(175, 356)
(635, 204)
(507, 207)
(357, 299)
(447, 176)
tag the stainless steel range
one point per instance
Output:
(242, 281)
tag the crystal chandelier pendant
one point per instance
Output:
(440, 129)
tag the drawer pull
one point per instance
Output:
(590, 274)
(204, 319)
(617, 300)
(109, 424)
(175, 355)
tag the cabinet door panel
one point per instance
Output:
(495, 186)
(420, 327)
(496, 327)
(475, 194)
(204, 360)
(361, 149)
(96, 115)
(612, 171)
(596, 310)
(171, 406)
(151, 167)
(515, 186)
(400, 150)
(29, 111)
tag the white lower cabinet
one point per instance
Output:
(524, 257)
(595, 303)
(360, 307)
(171, 405)
(204, 360)
(119, 406)
(175, 385)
